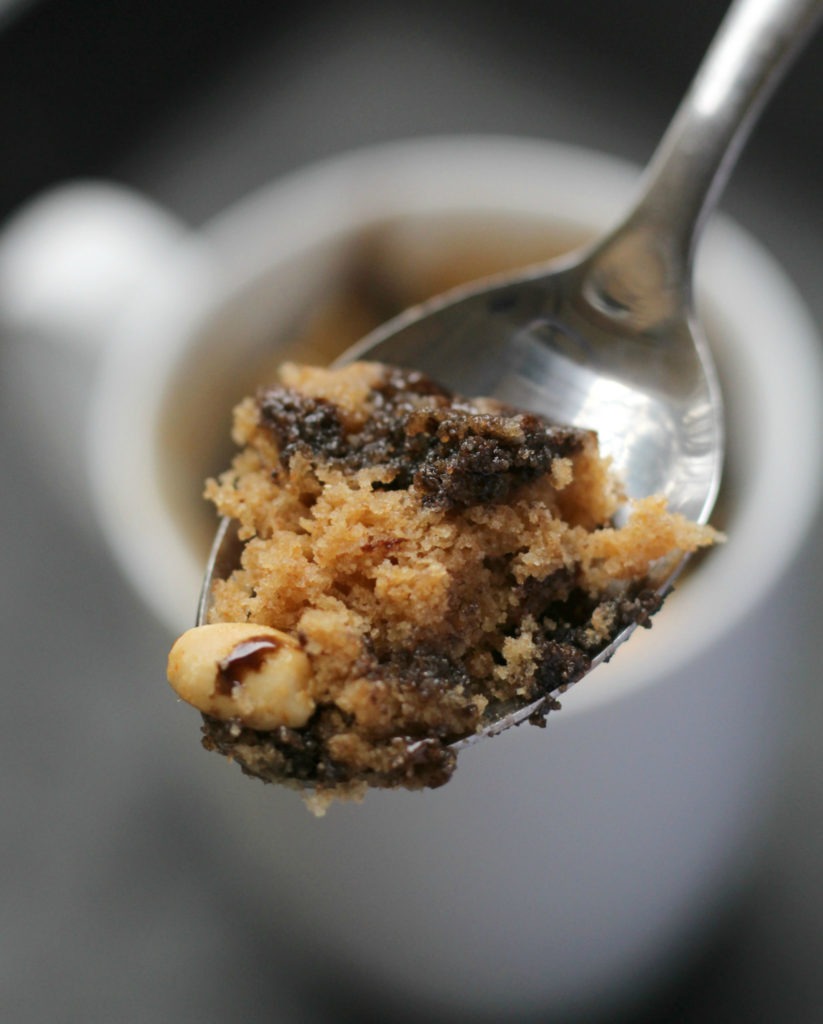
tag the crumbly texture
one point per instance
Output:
(437, 560)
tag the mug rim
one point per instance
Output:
(344, 193)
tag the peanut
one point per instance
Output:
(241, 671)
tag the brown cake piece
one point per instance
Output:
(414, 562)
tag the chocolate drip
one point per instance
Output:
(243, 660)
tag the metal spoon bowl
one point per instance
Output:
(607, 338)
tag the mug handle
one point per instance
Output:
(71, 257)
(70, 261)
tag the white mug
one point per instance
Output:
(561, 868)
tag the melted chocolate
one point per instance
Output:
(452, 454)
(243, 660)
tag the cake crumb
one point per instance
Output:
(431, 560)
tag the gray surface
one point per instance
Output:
(115, 904)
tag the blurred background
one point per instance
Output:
(115, 905)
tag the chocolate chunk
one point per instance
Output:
(302, 423)
(430, 440)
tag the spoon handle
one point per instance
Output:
(754, 46)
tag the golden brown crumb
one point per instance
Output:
(431, 557)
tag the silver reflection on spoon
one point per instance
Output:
(606, 338)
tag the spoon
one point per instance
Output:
(607, 338)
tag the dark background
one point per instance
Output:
(195, 102)
(84, 85)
